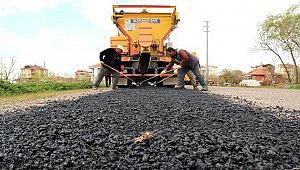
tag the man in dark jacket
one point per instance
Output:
(112, 58)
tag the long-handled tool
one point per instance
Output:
(154, 84)
(118, 72)
(156, 76)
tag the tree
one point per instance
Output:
(213, 80)
(7, 71)
(230, 76)
(280, 34)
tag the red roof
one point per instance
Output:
(35, 67)
(94, 66)
(78, 71)
(258, 72)
(262, 72)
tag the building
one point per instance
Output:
(82, 74)
(33, 73)
(212, 74)
(212, 70)
(269, 67)
(94, 69)
(290, 68)
(265, 74)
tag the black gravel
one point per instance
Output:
(192, 130)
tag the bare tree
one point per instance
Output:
(7, 71)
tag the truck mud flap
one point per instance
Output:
(144, 62)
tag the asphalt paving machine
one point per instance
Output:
(143, 32)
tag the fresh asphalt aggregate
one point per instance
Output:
(191, 130)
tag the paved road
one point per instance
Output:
(286, 98)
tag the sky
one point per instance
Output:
(67, 35)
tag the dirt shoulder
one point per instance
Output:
(43, 100)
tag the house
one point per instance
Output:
(82, 74)
(212, 74)
(290, 68)
(30, 72)
(212, 70)
(94, 69)
(264, 73)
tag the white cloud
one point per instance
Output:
(61, 54)
(44, 34)
(64, 54)
(99, 12)
(9, 7)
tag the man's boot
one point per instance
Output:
(179, 87)
(204, 89)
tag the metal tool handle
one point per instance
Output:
(156, 76)
(118, 72)
(164, 79)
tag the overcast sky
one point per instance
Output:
(68, 35)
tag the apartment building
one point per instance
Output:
(94, 69)
(82, 74)
(30, 72)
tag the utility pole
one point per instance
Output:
(206, 68)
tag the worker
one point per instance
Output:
(192, 78)
(112, 58)
(107, 80)
(186, 62)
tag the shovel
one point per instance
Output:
(119, 72)
(156, 76)
(154, 84)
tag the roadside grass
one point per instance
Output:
(10, 89)
(297, 86)
(27, 97)
(33, 96)
(282, 86)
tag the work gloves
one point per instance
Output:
(162, 73)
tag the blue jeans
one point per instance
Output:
(196, 72)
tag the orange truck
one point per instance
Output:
(143, 32)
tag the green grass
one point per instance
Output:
(295, 86)
(11, 93)
(26, 97)
(10, 89)
(34, 96)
